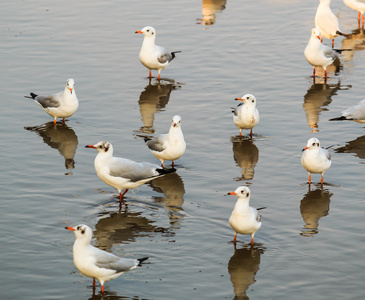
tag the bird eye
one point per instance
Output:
(313, 144)
(101, 146)
(78, 227)
(82, 231)
(148, 30)
(248, 98)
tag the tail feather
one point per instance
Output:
(33, 96)
(339, 118)
(173, 54)
(166, 171)
(141, 260)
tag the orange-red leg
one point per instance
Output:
(333, 43)
(121, 195)
(325, 73)
(235, 237)
(54, 121)
(240, 132)
(159, 76)
(309, 177)
(251, 239)
(102, 288)
(322, 179)
(150, 73)
(173, 164)
(94, 282)
(314, 72)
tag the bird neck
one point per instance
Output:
(242, 204)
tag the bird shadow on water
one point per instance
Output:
(314, 205)
(246, 156)
(59, 136)
(318, 97)
(356, 147)
(108, 295)
(243, 267)
(154, 99)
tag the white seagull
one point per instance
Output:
(123, 173)
(315, 159)
(244, 219)
(327, 22)
(168, 146)
(154, 57)
(354, 113)
(246, 115)
(60, 105)
(358, 5)
(96, 263)
(319, 55)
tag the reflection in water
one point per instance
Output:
(153, 99)
(314, 205)
(61, 137)
(120, 227)
(210, 8)
(356, 146)
(173, 189)
(355, 42)
(242, 267)
(317, 97)
(246, 156)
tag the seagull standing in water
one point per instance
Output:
(327, 22)
(154, 57)
(246, 115)
(315, 159)
(358, 5)
(168, 146)
(244, 219)
(61, 105)
(319, 55)
(96, 263)
(123, 173)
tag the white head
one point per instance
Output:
(176, 121)
(242, 192)
(312, 143)
(316, 33)
(102, 147)
(248, 99)
(82, 232)
(70, 83)
(148, 31)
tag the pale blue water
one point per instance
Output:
(311, 242)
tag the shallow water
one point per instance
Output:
(310, 243)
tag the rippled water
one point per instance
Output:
(311, 241)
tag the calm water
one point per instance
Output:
(311, 243)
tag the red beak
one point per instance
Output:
(138, 31)
(240, 99)
(69, 228)
(90, 146)
(231, 193)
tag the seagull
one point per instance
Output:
(168, 146)
(244, 219)
(315, 159)
(246, 115)
(358, 5)
(327, 22)
(153, 57)
(354, 113)
(60, 105)
(123, 173)
(319, 55)
(96, 263)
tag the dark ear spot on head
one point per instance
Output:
(253, 100)
(106, 148)
(248, 194)
(153, 33)
(82, 231)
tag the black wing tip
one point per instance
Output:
(32, 96)
(166, 171)
(338, 119)
(173, 54)
(146, 139)
(261, 208)
(141, 260)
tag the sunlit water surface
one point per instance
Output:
(311, 243)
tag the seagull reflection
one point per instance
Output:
(314, 205)
(106, 295)
(173, 189)
(210, 8)
(153, 99)
(317, 97)
(246, 156)
(122, 227)
(61, 137)
(356, 146)
(242, 267)
(355, 41)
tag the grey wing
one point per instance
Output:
(48, 101)
(258, 217)
(157, 144)
(328, 154)
(129, 169)
(164, 56)
(115, 263)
